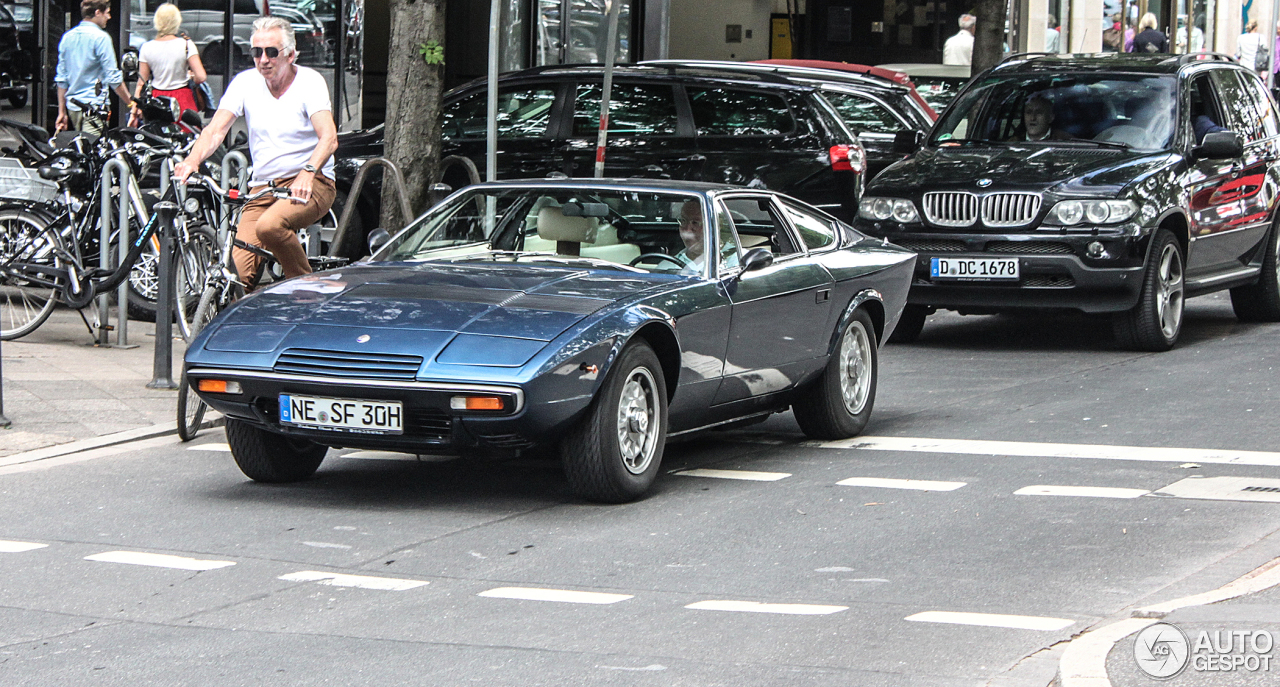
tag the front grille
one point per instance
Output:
(932, 245)
(951, 209)
(1009, 209)
(1030, 247)
(1049, 280)
(310, 361)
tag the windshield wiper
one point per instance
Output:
(974, 140)
(1108, 144)
(544, 256)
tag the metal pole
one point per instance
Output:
(122, 240)
(491, 128)
(4, 421)
(615, 6)
(162, 375)
(104, 257)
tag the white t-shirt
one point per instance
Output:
(958, 49)
(168, 62)
(281, 136)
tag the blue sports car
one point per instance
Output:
(595, 317)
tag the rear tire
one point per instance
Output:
(838, 405)
(1261, 302)
(268, 457)
(910, 324)
(24, 306)
(613, 454)
(1156, 321)
(191, 410)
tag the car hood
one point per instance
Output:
(1016, 167)
(484, 314)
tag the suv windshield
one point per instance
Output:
(1130, 110)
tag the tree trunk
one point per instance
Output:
(988, 39)
(414, 93)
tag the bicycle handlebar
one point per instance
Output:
(233, 194)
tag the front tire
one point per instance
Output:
(1261, 302)
(838, 405)
(613, 454)
(268, 457)
(1156, 321)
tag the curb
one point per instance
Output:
(1084, 662)
(103, 441)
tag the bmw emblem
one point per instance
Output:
(363, 338)
(983, 183)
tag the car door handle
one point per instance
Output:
(822, 296)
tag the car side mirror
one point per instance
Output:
(907, 142)
(1219, 145)
(756, 259)
(377, 239)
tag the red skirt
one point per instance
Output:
(186, 100)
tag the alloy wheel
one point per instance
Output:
(1169, 300)
(855, 367)
(638, 421)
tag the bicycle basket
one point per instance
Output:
(20, 183)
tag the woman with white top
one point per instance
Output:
(166, 61)
(1247, 47)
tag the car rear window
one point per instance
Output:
(634, 110)
(728, 112)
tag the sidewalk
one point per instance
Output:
(59, 387)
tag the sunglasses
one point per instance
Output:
(273, 53)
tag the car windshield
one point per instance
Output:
(592, 227)
(1117, 110)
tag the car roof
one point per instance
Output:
(1109, 62)
(762, 78)
(877, 72)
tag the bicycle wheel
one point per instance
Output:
(218, 294)
(191, 410)
(199, 257)
(24, 306)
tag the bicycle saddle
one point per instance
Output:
(59, 173)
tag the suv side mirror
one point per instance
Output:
(1219, 145)
(907, 142)
(377, 239)
(756, 259)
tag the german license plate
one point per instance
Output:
(342, 414)
(973, 268)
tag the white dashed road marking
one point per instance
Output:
(736, 474)
(225, 448)
(757, 607)
(1099, 492)
(1225, 489)
(916, 484)
(1045, 450)
(359, 581)
(325, 545)
(1016, 622)
(19, 546)
(559, 595)
(157, 560)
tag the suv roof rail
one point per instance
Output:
(1198, 56)
(779, 70)
(1020, 55)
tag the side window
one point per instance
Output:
(634, 110)
(759, 226)
(1203, 113)
(522, 113)
(815, 232)
(730, 251)
(1263, 105)
(724, 112)
(1237, 101)
(864, 115)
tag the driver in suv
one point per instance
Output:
(1156, 183)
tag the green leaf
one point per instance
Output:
(432, 52)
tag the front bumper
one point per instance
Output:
(1054, 270)
(429, 425)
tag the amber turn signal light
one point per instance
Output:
(218, 386)
(476, 403)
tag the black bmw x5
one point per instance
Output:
(1119, 184)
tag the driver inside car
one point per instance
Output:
(691, 233)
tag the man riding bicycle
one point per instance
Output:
(292, 137)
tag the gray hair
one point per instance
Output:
(280, 24)
(967, 21)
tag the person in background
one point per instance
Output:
(1113, 36)
(959, 48)
(86, 58)
(166, 61)
(1149, 40)
(1052, 37)
(1248, 45)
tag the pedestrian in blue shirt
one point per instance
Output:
(87, 58)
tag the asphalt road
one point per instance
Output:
(459, 572)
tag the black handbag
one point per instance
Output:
(199, 92)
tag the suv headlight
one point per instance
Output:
(880, 209)
(1069, 213)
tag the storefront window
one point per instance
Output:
(582, 38)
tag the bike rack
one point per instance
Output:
(123, 176)
(397, 181)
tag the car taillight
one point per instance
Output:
(847, 158)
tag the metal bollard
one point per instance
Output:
(4, 421)
(162, 375)
(104, 250)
